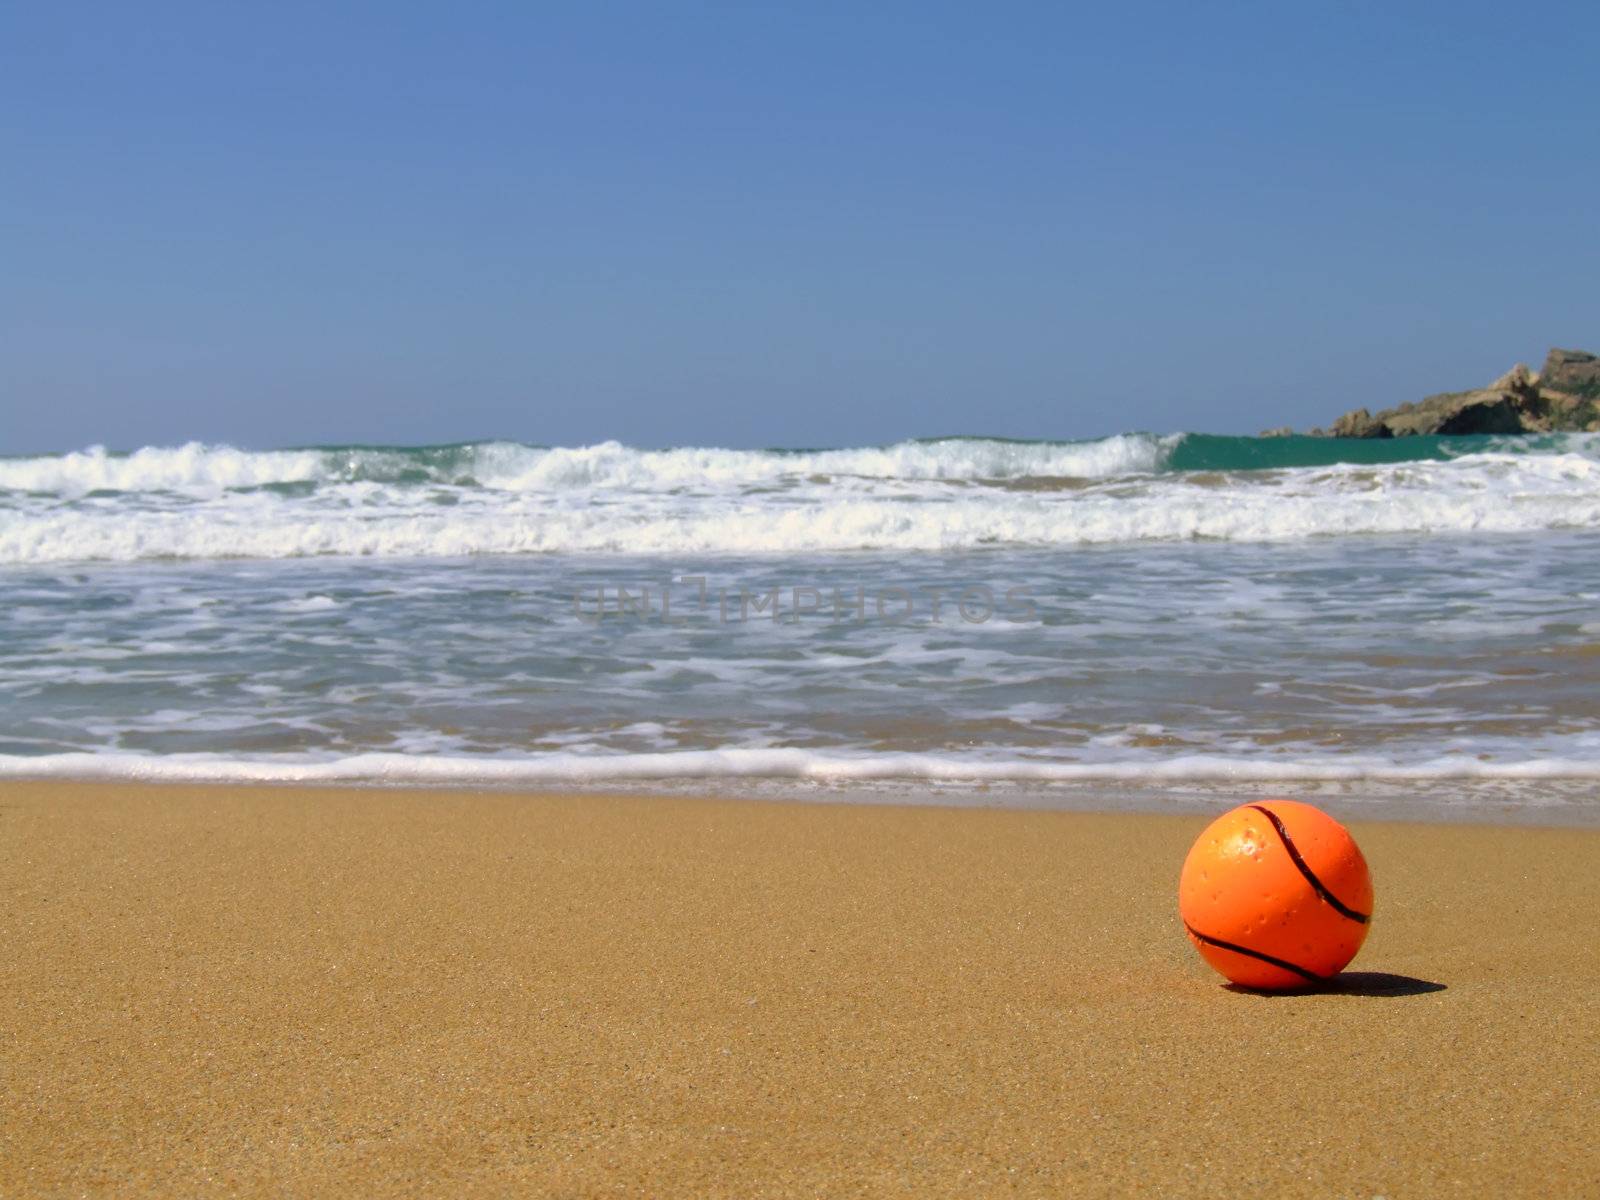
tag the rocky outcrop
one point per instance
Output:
(1360, 424)
(1519, 381)
(1565, 396)
(1490, 410)
(1572, 372)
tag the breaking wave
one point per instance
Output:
(208, 502)
(511, 466)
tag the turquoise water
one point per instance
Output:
(1210, 452)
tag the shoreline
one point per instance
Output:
(1558, 802)
(308, 990)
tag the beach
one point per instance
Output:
(662, 601)
(303, 991)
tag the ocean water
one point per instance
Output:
(1178, 612)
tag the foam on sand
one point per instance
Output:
(769, 763)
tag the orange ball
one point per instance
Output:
(1276, 895)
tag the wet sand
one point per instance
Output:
(311, 992)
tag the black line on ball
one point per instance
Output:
(1285, 964)
(1311, 876)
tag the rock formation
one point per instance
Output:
(1564, 397)
(1574, 372)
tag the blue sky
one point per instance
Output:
(805, 224)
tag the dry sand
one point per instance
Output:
(310, 992)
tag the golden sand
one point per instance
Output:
(311, 992)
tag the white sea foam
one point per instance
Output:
(777, 763)
(610, 464)
(1485, 493)
(1339, 661)
(509, 466)
(189, 468)
(309, 604)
